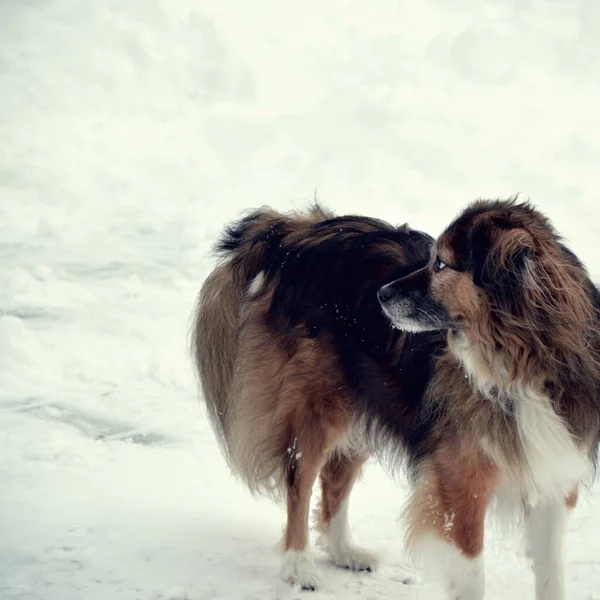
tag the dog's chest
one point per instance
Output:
(548, 463)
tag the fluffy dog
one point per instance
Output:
(490, 389)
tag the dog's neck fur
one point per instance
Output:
(489, 377)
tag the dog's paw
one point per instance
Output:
(355, 559)
(299, 569)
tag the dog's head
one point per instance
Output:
(498, 261)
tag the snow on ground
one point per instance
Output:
(130, 132)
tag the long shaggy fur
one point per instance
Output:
(496, 393)
(219, 316)
(318, 281)
(516, 392)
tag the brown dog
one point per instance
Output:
(494, 393)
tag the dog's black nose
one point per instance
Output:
(385, 293)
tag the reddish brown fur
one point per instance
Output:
(337, 478)
(558, 288)
(460, 296)
(290, 401)
(292, 414)
(572, 498)
(452, 498)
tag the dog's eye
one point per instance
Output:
(438, 265)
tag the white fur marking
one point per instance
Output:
(397, 310)
(553, 463)
(545, 532)
(256, 284)
(464, 577)
(343, 552)
(395, 314)
(299, 569)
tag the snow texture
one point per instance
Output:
(130, 133)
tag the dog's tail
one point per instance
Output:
(244, 248)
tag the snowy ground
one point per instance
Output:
(130, 132)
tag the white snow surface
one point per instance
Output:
(130, 132)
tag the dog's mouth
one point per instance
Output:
(413, 312)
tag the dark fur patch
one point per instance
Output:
(327, 282)
(235, 233)
(390, 397)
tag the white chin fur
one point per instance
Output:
(408, 325)
(412, 326)
(397, 315)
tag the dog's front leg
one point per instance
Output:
(446, 517)
(545, 529)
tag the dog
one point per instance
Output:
(486, 388)
(292, 350)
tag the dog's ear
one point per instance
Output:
(499, 260)
(481, 243)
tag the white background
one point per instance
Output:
(130, 132)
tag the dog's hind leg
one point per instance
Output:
(312, 409)
(306, 456)
(337, 479)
